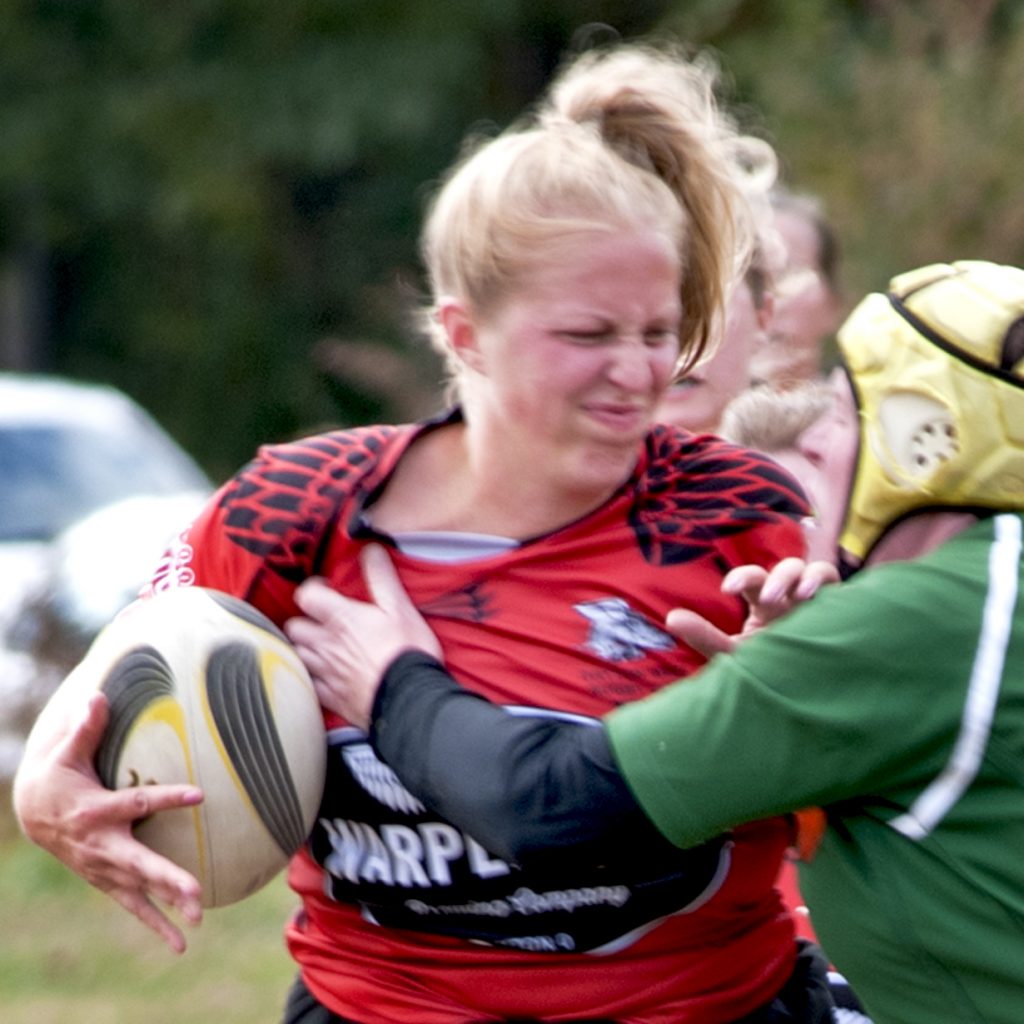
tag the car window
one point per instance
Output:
(53, 475)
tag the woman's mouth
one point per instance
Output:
(618, 416)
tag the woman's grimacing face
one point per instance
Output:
(830, 445)
(574, 363)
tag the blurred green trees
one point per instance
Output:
(905, 116)
(216, 202)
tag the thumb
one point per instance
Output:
(700, 634)
(83, 741)
(379, 572)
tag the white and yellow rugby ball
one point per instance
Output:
(204, 689)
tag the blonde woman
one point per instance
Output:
(545, 526)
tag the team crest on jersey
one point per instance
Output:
(617, 633)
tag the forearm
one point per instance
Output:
(533, 790)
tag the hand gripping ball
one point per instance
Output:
(204, 689)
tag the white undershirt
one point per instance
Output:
(451, 546)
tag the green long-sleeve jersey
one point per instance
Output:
(896, 702)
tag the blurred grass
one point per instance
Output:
(70, 955)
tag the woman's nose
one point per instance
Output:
(633, 364)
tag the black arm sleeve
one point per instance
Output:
(536, 791)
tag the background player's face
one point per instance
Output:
(574, 364)
(806, 311)
(698, 401)
(830, 444)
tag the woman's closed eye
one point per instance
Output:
(587, 335)
(652, 336)
(661, 336)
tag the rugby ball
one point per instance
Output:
(206, 690)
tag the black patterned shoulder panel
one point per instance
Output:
(282, 505)
(695, 491)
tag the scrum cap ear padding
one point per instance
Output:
(938, 373)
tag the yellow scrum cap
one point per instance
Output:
(937, 367)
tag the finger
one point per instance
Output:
(319, 600)
(142, 801)
(309, 596)
(316, 665)
(120, 865)
(303, 632)
(382, 578)
(182, 892)
(697, 632)
(133, 803)
(135, 868)
(817, 575)
(744, 580)
(165, 880)
(140, 906)
(393, 600)
(183, 895)
(348, 705)
(781, 581)
(327, 696)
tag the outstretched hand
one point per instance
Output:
(347, 645)
(769, 595)
(63, 807)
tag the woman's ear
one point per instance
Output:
(460, 329)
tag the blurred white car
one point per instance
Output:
(91, 491)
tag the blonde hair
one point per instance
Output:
(770, 419)
(626, 137)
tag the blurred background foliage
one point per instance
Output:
(214, 204)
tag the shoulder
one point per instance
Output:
(322, 465)
(338, 454)
(289, 495)
(710, 474)
(968, 578)
(697, 495)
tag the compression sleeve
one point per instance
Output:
(536, 791)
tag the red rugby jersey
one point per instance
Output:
(404, 917)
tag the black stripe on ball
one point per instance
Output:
(246, 612)
(134, 681)
(242, 714)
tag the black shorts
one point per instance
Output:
(804, 999)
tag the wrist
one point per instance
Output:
(402, 671)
